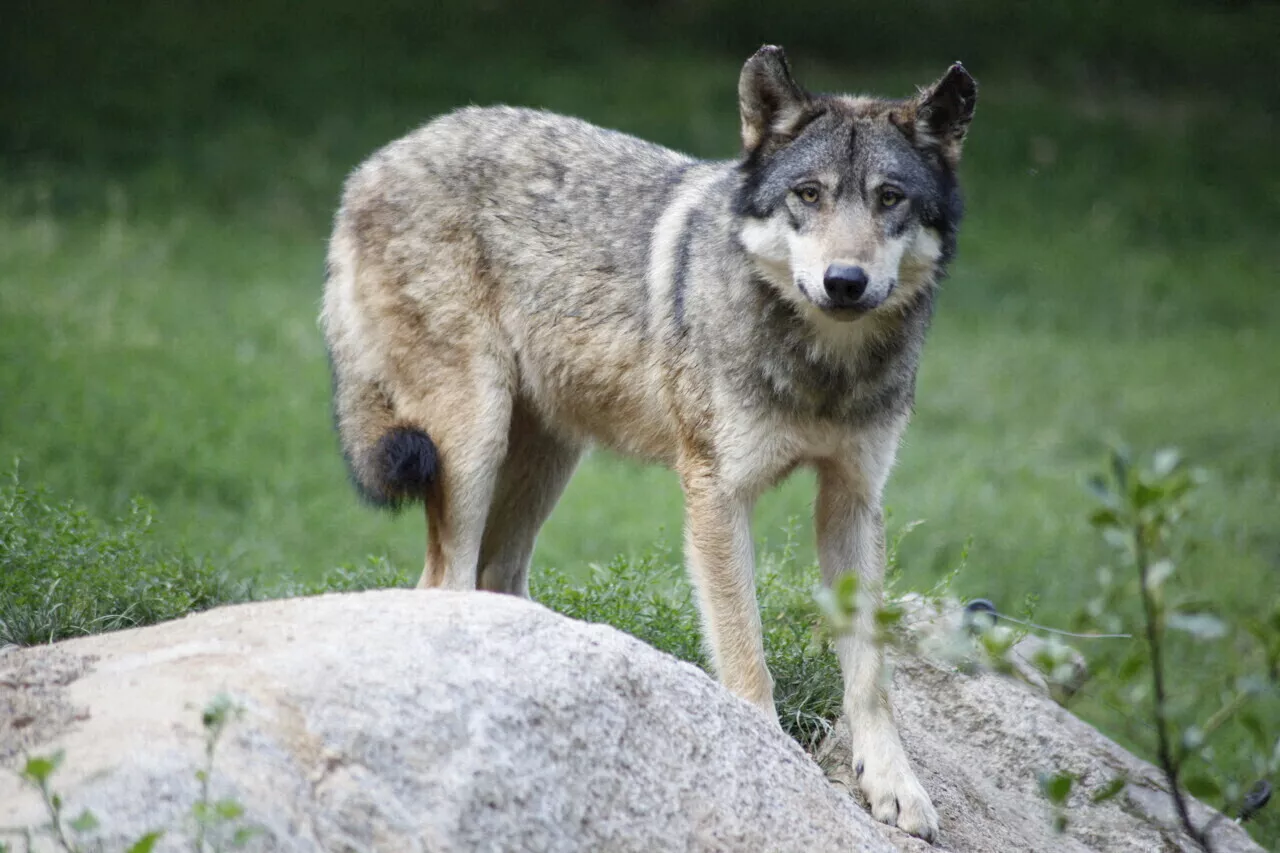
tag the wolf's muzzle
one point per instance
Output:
(845, 285)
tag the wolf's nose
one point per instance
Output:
(845, 284)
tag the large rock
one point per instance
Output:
(403, 720)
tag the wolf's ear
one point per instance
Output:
(771, 102)
(939, 117)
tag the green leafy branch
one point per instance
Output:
(212, 819)
(1138, 515)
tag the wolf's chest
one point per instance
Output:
(839, 394)
(788, 373)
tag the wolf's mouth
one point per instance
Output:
(845, 313)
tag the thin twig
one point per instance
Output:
(55, 814)
(1167, 762)
(201, 823)
(1220, 716)
(1075, 634)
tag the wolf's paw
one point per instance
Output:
(894, 794)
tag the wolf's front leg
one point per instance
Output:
(851, 538)
(722, 565)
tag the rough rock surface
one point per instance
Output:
(401, 720)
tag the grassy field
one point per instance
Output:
(164, 207)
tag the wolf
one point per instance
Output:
(507, 286)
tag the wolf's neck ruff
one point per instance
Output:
(867, 379)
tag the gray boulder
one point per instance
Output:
(405, 720)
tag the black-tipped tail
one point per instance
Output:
(402, 467)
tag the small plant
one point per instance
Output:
(218, 820)
(1056, 788)
(218, 824)
(66, 835)
(1138, 514)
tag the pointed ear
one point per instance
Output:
(771, 102)
(939, 117)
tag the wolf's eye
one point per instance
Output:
(891, 197)
(808, 194)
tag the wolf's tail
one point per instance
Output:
(391, 461)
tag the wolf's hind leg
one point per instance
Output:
(851, 538)
(537, 467)
(470, 429)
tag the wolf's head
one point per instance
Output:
(850, 203)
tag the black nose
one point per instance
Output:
(845, 284)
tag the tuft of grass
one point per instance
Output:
(644, 596)
(64, 573)
(373, 573)
(650, 598)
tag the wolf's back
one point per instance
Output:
(480, 212)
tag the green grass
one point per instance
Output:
(647, 597)
(64, 573)
(164, 201)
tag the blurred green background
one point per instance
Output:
(168, 171)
